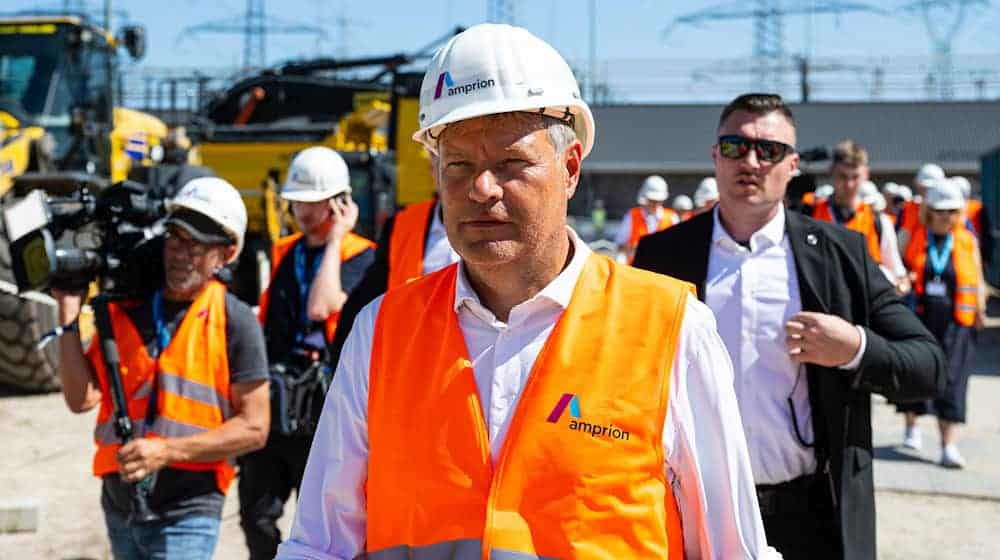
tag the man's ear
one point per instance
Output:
(229, 254)
(573, 161)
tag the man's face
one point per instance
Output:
(313, 218)
(189, 264)
(847, 181)
(504, 189)
(749, 183)
(652, 206)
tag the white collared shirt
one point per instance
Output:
(705, 460)
(753, 293)
(438, 252)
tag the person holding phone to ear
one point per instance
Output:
(312, 273)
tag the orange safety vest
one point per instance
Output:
(192, 382)
(351, 246)
(974, 212)
(909, 219)
(407, 242)
(963, 257)
(639, 228)
(581, 473)
(862, 222)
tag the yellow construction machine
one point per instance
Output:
(252, 130)
(60, 130)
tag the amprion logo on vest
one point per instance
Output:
(444, 79)
(577, 425)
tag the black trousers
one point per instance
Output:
(799, 519)
(267, 478)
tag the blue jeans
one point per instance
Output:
(187, 538)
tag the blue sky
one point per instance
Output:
(626, 29)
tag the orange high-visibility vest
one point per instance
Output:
(974, 212)
(639, 228)
(581, 473)
(862, 222)
(966, 273)
(909, 219)
(406, 244)
(192, 382)
(351, 246)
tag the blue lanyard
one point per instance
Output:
(304, 281)
(939, 260)
(162, 335)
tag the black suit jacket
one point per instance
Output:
(901, 361)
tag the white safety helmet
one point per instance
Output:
(905, 192)
(868, 191)
(928, 173)
(824, 191)
(218, 200)
(316, 173)
(654, 189)
(707, 191)
(493, 68)
(682, 203)
(890, 189)
(964, 185)
(944, 194)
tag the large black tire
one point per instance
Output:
(23, 321)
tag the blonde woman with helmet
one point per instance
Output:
(943, 257)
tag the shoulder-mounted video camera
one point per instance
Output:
(69, 240)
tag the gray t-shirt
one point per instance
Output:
(180, 493)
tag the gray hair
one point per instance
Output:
(560, 132)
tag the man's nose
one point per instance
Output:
(485, 187)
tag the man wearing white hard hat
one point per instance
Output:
(909, 220)
(973, 208)
(649, 217)
(851, 206)
(519, 403)
(706, 195)
(313, 271)
(951, 301)
(683, 205)
(194, 374)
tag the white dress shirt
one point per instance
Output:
(438, 252)
(753, 293)
(705, 459)
(892, 262)
(652, 225)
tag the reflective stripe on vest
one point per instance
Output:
(351, 246)
(639, 227)
(862, 222)
(464, 549)
(407, 243)
(581, 471)
(963, 258)
(193, 384)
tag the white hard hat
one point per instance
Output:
(877, 202)
(316, 173)
(707, 191)
(928, 173)
(654, 189)
(963, 185)
(218, 200)
(905, 191)
(868, 191)
(824, 191)
(683, 203)
(493, 68)
(890, 188)
(944, 194)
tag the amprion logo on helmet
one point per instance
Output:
(444, 79)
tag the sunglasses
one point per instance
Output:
(733, 146)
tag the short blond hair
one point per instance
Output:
(850, 153)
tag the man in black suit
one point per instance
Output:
(813, 328)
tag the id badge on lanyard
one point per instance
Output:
(936, 287)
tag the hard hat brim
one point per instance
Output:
(311, 195)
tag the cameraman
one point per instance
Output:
(195, 383)
(312, 274)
